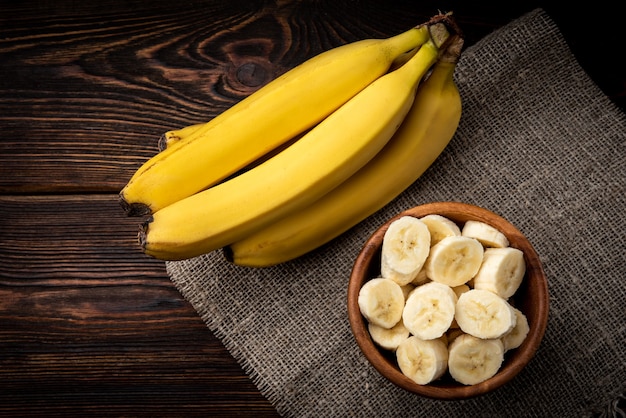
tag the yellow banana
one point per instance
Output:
(299, 175)
(285, 107)
(423, 135)
(169, 138)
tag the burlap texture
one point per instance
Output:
(539, 144)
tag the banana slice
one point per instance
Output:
(473, 360)
(429, 310)
(484, 314)
(422, 360)
(486, 234)
(406, 245)
(517, 335)
(452, 333)
(406, 289)
(460, 289)
(421, 278)
(501, 272)
(454, 260)
(389, 339)
(440, 227)
(381, 302)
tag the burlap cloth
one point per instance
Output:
(538, 143)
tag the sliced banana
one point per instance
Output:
(389, 339)
(406, 245)
(517, 335)
(441, 302)
(485, 234)
(440, 227)
(484, 314)
(381, 302)
(473, 360)
(429, 310)
(501, 271)
(454, 260)
(421, 278)
(460, 289)
(407, 289)
(452, 333)
(422, 360)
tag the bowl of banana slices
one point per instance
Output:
(448, 300)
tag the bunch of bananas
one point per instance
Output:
(307, 156)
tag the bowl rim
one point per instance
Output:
(459, 212)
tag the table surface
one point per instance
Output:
(88, 323)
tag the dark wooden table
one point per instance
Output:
(88, 324)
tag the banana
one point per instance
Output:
(484, 314)
(501, 271)
(473, 360)
(423, 135)
(389, 339)
(283, 108)
(460, 289)
(407, 289)
(429, 310)
(440, 227)
(318, 162)
(381, 302)
(406, 245)
(485, 234)
(169, 138)
(518, 334)
(452, 333)
(422, 361)
(454, 260)
(421, 278)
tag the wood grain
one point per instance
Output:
(87, 320)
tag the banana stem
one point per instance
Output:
(447, 20)
(439, 33)
(452, 52)
(446, 35)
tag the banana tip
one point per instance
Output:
(142, 235)
(228, 254)
(134, 209)
(162, 143)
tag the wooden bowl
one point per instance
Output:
(531, 298)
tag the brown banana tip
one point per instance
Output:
(162, 143)
(447, 20)
(134, 209)
(228, 254)
(142, 235)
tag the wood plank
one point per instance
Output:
(88, 321)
